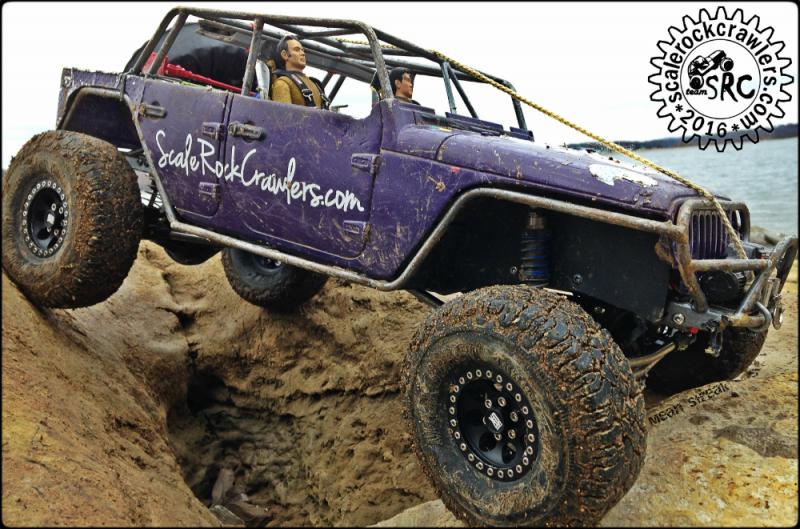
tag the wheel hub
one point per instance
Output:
(45, 218)
(492, 423)
(266, 265)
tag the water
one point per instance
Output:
(763, 176)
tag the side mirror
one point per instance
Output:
(262, 79)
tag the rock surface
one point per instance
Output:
(85, 398)
(430, 514)
(125, 413)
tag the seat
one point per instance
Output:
(263, 79)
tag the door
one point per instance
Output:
(183, 130)
(301, 176)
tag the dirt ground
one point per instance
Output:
(118, 414)
(127, 412)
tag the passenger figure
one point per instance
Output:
(402, 81)
(289, 83)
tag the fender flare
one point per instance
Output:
(129, 136)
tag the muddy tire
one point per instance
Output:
(693, 367)
(267, 283)
(72, 219)
(565, 390)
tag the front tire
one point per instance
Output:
(267, 283)
(526, 365)
(72, 219)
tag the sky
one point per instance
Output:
(586, 61)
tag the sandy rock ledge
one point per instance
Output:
(125, 413)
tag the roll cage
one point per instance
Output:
(323, 50)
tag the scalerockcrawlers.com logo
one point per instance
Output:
(720, 79)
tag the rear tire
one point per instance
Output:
(693, 367)
(72, 219)
(268, 283)
(579, 412)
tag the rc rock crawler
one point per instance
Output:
(580, 274)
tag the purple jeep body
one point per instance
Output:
(356, 193)
(373, 200)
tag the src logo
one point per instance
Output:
(720, 79)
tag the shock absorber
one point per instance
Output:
(535, 269)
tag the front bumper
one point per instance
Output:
(760, 306)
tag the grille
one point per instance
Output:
(708, 238)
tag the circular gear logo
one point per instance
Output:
(720, 79)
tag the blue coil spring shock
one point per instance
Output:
(535, 269)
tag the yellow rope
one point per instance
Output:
(609, 144)
(362, 43)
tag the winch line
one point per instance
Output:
(610, 144)
(607, 143)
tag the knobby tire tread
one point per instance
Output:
(600, 400)
(104, 229)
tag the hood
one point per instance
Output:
(576, 173)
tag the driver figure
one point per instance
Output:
(289, 83)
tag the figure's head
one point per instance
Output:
(289, 54)
(402, 82)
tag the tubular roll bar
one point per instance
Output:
(364, 58)
(277, 20)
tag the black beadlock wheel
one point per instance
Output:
(45, 218)
(492, 422)
(523, 411)
(268, 283)
(72, 219)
